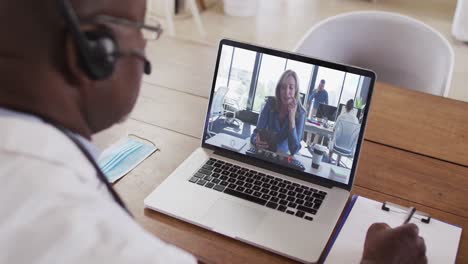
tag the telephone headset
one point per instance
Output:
(98, 50)
(98, 53)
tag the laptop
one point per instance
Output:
(282, 195)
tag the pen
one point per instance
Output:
(412, 210)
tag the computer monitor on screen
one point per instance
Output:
(326, 111)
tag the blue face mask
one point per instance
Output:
(123, 156)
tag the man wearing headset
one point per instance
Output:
(69, 69)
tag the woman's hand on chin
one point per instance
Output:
(292, 108)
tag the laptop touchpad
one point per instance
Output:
(232, 218)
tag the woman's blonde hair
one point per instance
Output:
(281, 83)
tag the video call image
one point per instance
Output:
(298, 115)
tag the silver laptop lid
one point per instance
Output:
(296, 115)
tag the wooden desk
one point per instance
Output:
(415, 153)
(423, 123)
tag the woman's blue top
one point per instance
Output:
(288, 140)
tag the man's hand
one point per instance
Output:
(394, 245)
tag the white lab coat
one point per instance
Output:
(53, 209)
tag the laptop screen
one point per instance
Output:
(288, 110)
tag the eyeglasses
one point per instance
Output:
(151, 29)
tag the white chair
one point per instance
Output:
(231, 107)
(168, 10)
(222, 107)
(344, 140)
(401, 50)
(217, 108)
(460, 21)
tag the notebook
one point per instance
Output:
(232, 143)
(441, 239)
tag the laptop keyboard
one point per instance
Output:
(272, 192)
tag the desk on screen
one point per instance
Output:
(324, 171)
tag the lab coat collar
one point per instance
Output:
(42, 141)
(88, 145)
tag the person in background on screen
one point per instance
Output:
(283, 116)
(348, 116)
(345, 119)
(319, 96)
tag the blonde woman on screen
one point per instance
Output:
(281, 122)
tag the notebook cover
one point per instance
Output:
(341, 224)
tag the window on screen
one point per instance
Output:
(333, 83)
(271, 68)
(224, 67)
(303, 71)
(350, 87)
(243, 62)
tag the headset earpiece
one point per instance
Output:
(95, 49)
(102, 48)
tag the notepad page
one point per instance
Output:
(441, 239)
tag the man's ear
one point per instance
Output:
(73, 64)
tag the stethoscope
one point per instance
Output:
(100, 175)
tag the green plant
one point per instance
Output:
(359, 103)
